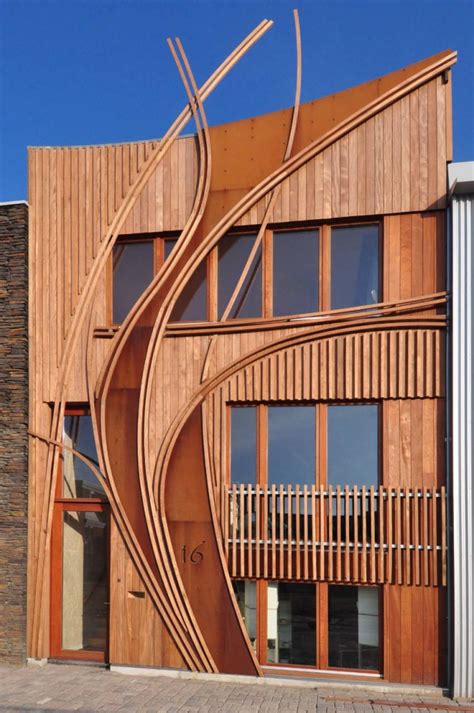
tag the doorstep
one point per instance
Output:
(343, 684)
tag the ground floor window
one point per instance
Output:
(309, 625)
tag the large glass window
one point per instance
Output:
(353, 630)
(295, 272)
(354, 266)
(291, 623)
(132, 273)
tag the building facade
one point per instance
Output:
(238, 416)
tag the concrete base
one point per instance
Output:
(36, 662)
(343, 684)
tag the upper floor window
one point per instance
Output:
(305, 444)
(135, 261)
(354, 266)
(293, 272)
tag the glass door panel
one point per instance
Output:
(291, 623)
(84, 581)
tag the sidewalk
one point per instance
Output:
(89, 689)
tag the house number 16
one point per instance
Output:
(196, 556)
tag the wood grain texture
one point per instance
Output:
(379, 150)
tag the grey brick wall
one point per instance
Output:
(13, 429)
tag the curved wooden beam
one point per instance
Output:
(88, 293)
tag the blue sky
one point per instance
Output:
(99, 71)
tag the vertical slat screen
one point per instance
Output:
(367, 535)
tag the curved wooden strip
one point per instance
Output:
(273, 196)
(415, 304)
(291, 340)
(136, 499)
(88, 294)
(156, 596)
(192, 527)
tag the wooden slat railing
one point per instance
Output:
(341, 534)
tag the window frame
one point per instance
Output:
(321, 604)
(158, 240)
(324, 227)
(321, 437)
(62, 505)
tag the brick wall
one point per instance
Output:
(13, 429)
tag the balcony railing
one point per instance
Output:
(342, 534)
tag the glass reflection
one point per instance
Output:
(191, 305)
(291, 445)
(84, 581)
(132, 273)
(233, 252)
(353, 627)
(78, 480)
(246, 595)
(354, 266)
(295, 272)
(291, 623)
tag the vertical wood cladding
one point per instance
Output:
(388, 162)
(13, 429)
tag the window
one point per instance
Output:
(291, 623)
(277, 444)
(77, 479)
(135, 261)
(315, 625)
(353, 456)
(233, 253)
(354, 266)
(295, 272)
(291, 445)
(191, 304)
(132, 273)
(353, 627)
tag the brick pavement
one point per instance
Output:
(89, 689)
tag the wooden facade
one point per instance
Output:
(159, 391)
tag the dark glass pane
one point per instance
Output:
(233, 253)
(169, 245)
(291, 623)
(243, 448)
(295, 272)
(84, 581)
(353, 445)
(246, 595)
(353, 627)
(354, 266)
(78, 479)
(291, 445)
(133, 272)
(192, 303)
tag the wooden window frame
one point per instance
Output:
(62, 505)
(325, 236)
(157, 239)
(321, 588)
